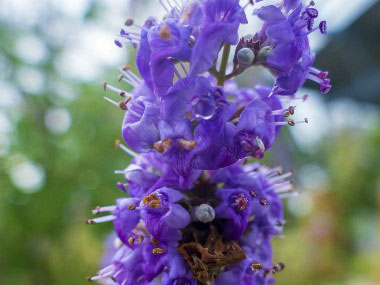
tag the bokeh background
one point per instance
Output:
(57, 155)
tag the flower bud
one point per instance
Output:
(204, 213)
(264, 53)
(245, 56)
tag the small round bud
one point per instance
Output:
(264, 53)
(245, 56)
(204, 213)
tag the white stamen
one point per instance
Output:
(280, 177)
(248, 3)
(131, 37)
(273, 172)
(111, 101)
(315, 78)
(260, 143)
(132, 43)
(136, 105)
(114, 89)
(177, 4)
(163, 6)
(98, 209)
(133, 33)
(283, 111)
(96, 277)
(132, 83)
(134, 113)
(290, 123)
(292, 97)
(101, 220)
(107, 270)
(127, 150)
(288, 195)
(170, 4)
(118, 272)
(129, 74)
(281, 123)
(283, 188)
(141, 27)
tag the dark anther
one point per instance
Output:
(264, 202)
(256, 266)
(291, 123)
(253, 193)
(128, 22)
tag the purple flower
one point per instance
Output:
(164, 217)
(125, 219)
(146, 174)
(196, 211)
(255, 130)
(236, 207)
(178, 273)
(221, 21)
(140, 124)
(144, 52)
(127, 267)
(189, 111)
(287, 51)
(291, 4)
(169, 41)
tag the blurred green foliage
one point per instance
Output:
(44, 239)
(338, 241)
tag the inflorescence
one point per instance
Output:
(196, 210)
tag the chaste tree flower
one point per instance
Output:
(195, 208)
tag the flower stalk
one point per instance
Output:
(193, 210)
(221, 78)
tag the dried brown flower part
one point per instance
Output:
(208, 260)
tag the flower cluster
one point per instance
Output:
(197, 211)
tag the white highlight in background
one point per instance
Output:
(57, 120)
(27, 176)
